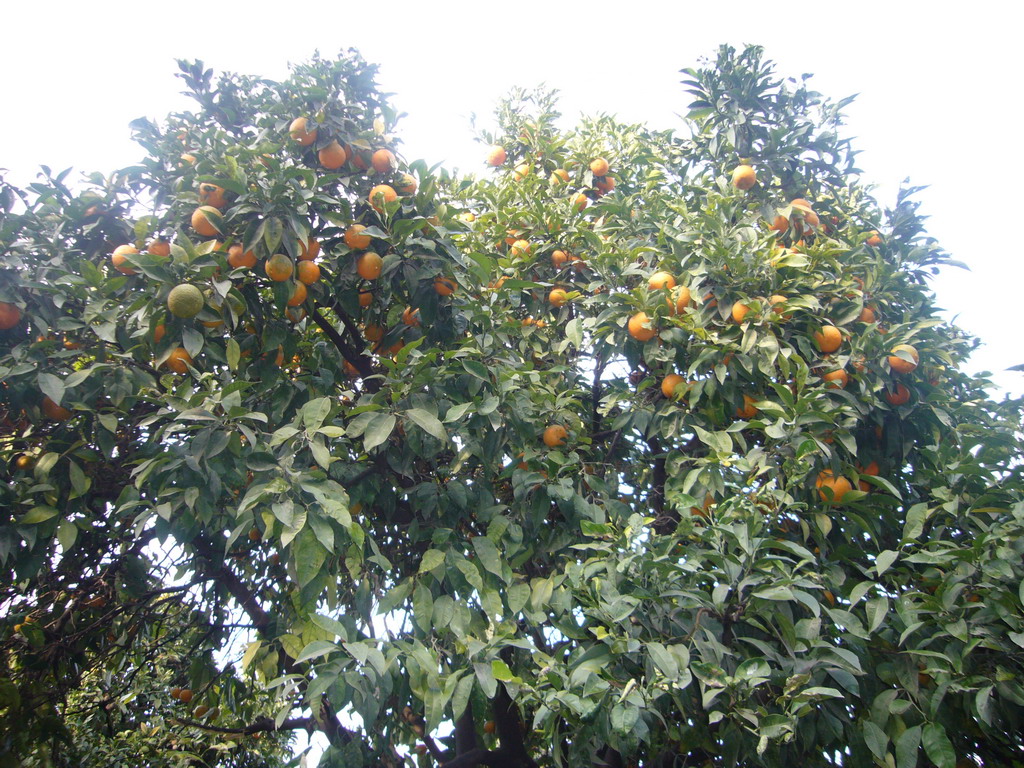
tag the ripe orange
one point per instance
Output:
(307, 272)
(579, 202)
(558, 297)
(800, 204)
(559, 176)
(520, 248)
(333, 156)
(744, 177)
(489, 727)
(158, 333)
(836, 379)
(739, 311)
(206, 220)
(53, 411)
(871, 470)
(669, 384)
(521, 172)
(383, 161)
(373, 333)
(298, 296)
(178, 360)
(898, 364)
(811, 219)
(778, 302)
(605, 184)
(409, 184)
(679, 300)
(300, 132)
(369, 265)
(309, 251)
(354, 238)
(559, 259)
(444, 286)
(411, 317)
(780, 224)
(555, 436)
(898, 396)
(239, 258)
(496, 156)
(599, 166)
(294, 315)
(365, 298)
(875, 240)
(661, 280)
(638, 327)
(839, 486)
(211, 194)
(381, 195)
(279, 268)
(117, 258)
(159, 247)
(185, 696)
(828, 339)
(747, 411)
(867, 315)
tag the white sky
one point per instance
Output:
(939, 90)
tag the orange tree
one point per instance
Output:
(638, 449)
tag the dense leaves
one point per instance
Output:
(440, 493)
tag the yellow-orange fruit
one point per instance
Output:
(836, 379)
(599, 166)
(669, 384)
(279, 268)
(744, 177)
(839, 486)
(369, 265)
(381, 195)
(828, 339)
(355, 239)
(333, 156)
(558, 297)
(661, 280)
(637, 327)
(206, 220)
(679, 300)
(117, 258)
(383, 161)
(238, 257)
(444, 286)
(211, 194)
(739, 311)
(898, 364)
(301, 133)
(159, 247)
(298, 295)
(747, 411)
(178, 360)
(555, 436)
(308, 272)
(496, 156)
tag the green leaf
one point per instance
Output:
(316, 649)
(663, 660)
(37, 515)
(907, 745)
(314, 412)
(428, 422)
(67, 534)
(432, 558)
(885, 560)
(378, 430)
(876, 739)
(51, 386)
(501, 672)
(309, 555)
(937, 746)
(488, 554)
(876, 611)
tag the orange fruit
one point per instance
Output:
(780, 224)
(579, 202)
(380, 196)
(294, 315)
(238, 257)
(679, 300)
(555, 436)
(898, 396)
(638, 327)
(383, 161)
(159, 247)
(520, 248)
(409, 184)
(739, 311)
(867, 315)
(778, 302)
(178, 360)
(558, 297)
(559, 176)
(365, 298)
(599, 166)
(158, 333)
(559, 259)
(298, 296)
(744, 177)
(828, 339)
(369, 265)
(373, 333)
(748, 411)
(669, 384)
(53, 411)
(333, 156)
(354, 238)
(496, 156)
(411, 317)
(206, 220)
(800, 204)
(521, 171)
(836, 379)
(811, 219)
(898, 364)
(185, 696)
(661, 280)
(839, 486)
(300, 132)
(211, 194)
(605, 184)
(875, 240)
(489, 727)
(871, 470)
(444, 286)
(185, 301)
(309, 251)
(307, 272)
(117, 258)
(279, 268)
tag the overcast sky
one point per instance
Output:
(938, 91)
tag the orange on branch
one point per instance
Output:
(640, 327)
(333, 156)
(828, 339)
(383, 161)
(118, 257)
(747, 411)
(159, 247)
(444, 286)
(380, 196)
(53, 411)
(355, 239)
(496, 156)
(179, 360)
(555, 436)
(369, 265)
(279, 268)
(679, 300)
(308, 272)
(298, 296)
(301, 133)
(744, 177)
(839, 486)
(599, 166)
(898, 363)
(309, 250)
(207, 220)
(239, 258)
(669, 384)
(558, 297)
(211, 194)
(660, 280)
